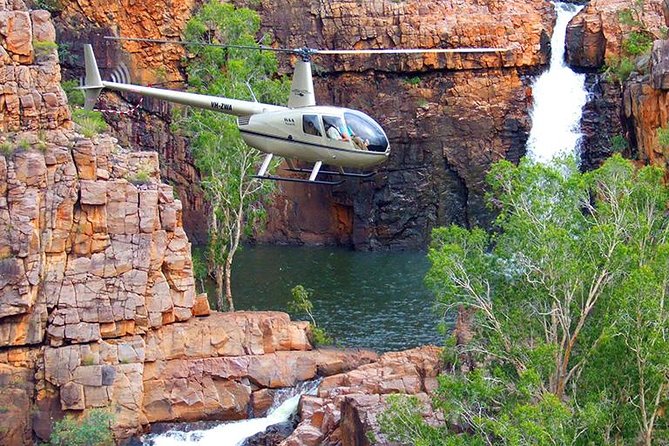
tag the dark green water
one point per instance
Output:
(364, 299)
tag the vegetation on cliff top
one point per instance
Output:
(569, 325)
(90, 430)
(225, 162)
(636, 42)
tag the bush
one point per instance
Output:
(663, 137)
(638, 43)
(141, 176)
(6, 148)
(74, 95)
(91, 122)
(53, 6)
(619, 143)
(619, 70)
(44, 47)
(90, 430)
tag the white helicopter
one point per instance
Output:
(301, 130)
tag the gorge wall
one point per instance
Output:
(634, 109)
(98, 306)
(448, 117)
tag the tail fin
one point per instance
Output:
(302, 88)
(93, 84)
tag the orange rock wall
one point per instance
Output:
(442, 141)
(98, 307)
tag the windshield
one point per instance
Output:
(364, 127)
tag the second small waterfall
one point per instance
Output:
(559, 96)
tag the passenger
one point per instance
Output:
(311, 129)
(360, 143)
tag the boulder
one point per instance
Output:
(660, 65)
(346, 408)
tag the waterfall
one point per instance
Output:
(559, 96)
(234, 433)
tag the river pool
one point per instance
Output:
(371, 300)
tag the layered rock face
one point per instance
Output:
(594, 38)
(98, 307)
(448, 117)
(345, 411)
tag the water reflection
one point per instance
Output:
(364, 299)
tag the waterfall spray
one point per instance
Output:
(559, 96)
(234, 433)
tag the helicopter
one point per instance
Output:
(299, 131)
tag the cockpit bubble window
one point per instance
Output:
(335, 129)
(366, 133)
(310, 125)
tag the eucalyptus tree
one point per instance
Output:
(225, 162)
(569, 320)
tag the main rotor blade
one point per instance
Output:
(193, 42)
(415, 51)
(312, 51)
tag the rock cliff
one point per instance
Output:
(636, 109)
(448, 117)
(98, 307)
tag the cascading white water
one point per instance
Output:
(234, 433)
(559, 96)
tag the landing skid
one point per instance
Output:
(297, 180)
(313, 173)
(334, 172)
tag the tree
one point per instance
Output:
(301, 303)
(225, 162)
(567, 302)
(90, 430)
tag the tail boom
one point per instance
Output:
(94, 84)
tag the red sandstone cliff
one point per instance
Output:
(448, 117)
(97, 298)
(594, 38)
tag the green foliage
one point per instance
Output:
(619, 143)
(620, 69)
(75, 96)
(44, 47)
(7, 148)
(415, 80)
(66, 56)
(226, 164)
(91, 430)
(24, 144)
(403, 422)
(663, 137)
(570, 327)
(301, 304)
(141, 174)
(53, 6)
(638, 43)
(91, 122)
(638, 39)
